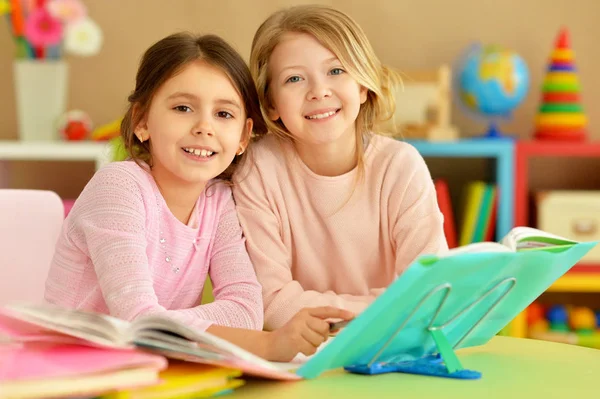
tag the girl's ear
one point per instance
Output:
(363, 94)
(141, 129)
(246, 135)
(141, 132)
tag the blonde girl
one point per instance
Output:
(332, 210)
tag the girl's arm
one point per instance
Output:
(304, 333)
(416, 220)
(238, 297)
(109, 223)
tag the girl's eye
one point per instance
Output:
(224, 114)
(336, 71)
(183, 108)
(293, 79)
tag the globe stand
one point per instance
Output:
(493, 133)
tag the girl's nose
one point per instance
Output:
(203, 126)
(318, 91)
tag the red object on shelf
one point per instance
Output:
(524, 150)
(75, 130)
(445, 204)
(584, 269)
(535, 313)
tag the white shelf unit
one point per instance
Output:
(98, 152)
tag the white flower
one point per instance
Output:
(83, 37)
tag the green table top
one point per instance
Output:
(512, 368)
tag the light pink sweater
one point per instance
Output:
(311, 248)
(122, 252)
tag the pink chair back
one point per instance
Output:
(30, 222)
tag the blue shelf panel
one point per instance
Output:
(502, 150)
(471, 148)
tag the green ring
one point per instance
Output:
(569, 108)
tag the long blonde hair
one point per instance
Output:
(341, 35)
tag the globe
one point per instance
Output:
(491, 82)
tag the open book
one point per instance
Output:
(518, 239)
(468, 294)
(158, 334)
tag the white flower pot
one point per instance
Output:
(41, 88)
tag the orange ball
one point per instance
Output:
(582, 318)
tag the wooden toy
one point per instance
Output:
(560, 115)
(423, 106)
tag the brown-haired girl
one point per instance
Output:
(145, 232)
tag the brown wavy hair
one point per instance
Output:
(166, 58)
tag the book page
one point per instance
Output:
(301, 358)
(477, 247)
(94, 327)
(524, 238)
(163, 331)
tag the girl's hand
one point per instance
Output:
(304, 333)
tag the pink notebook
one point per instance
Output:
(35, 361)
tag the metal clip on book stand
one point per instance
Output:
(444, 363)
